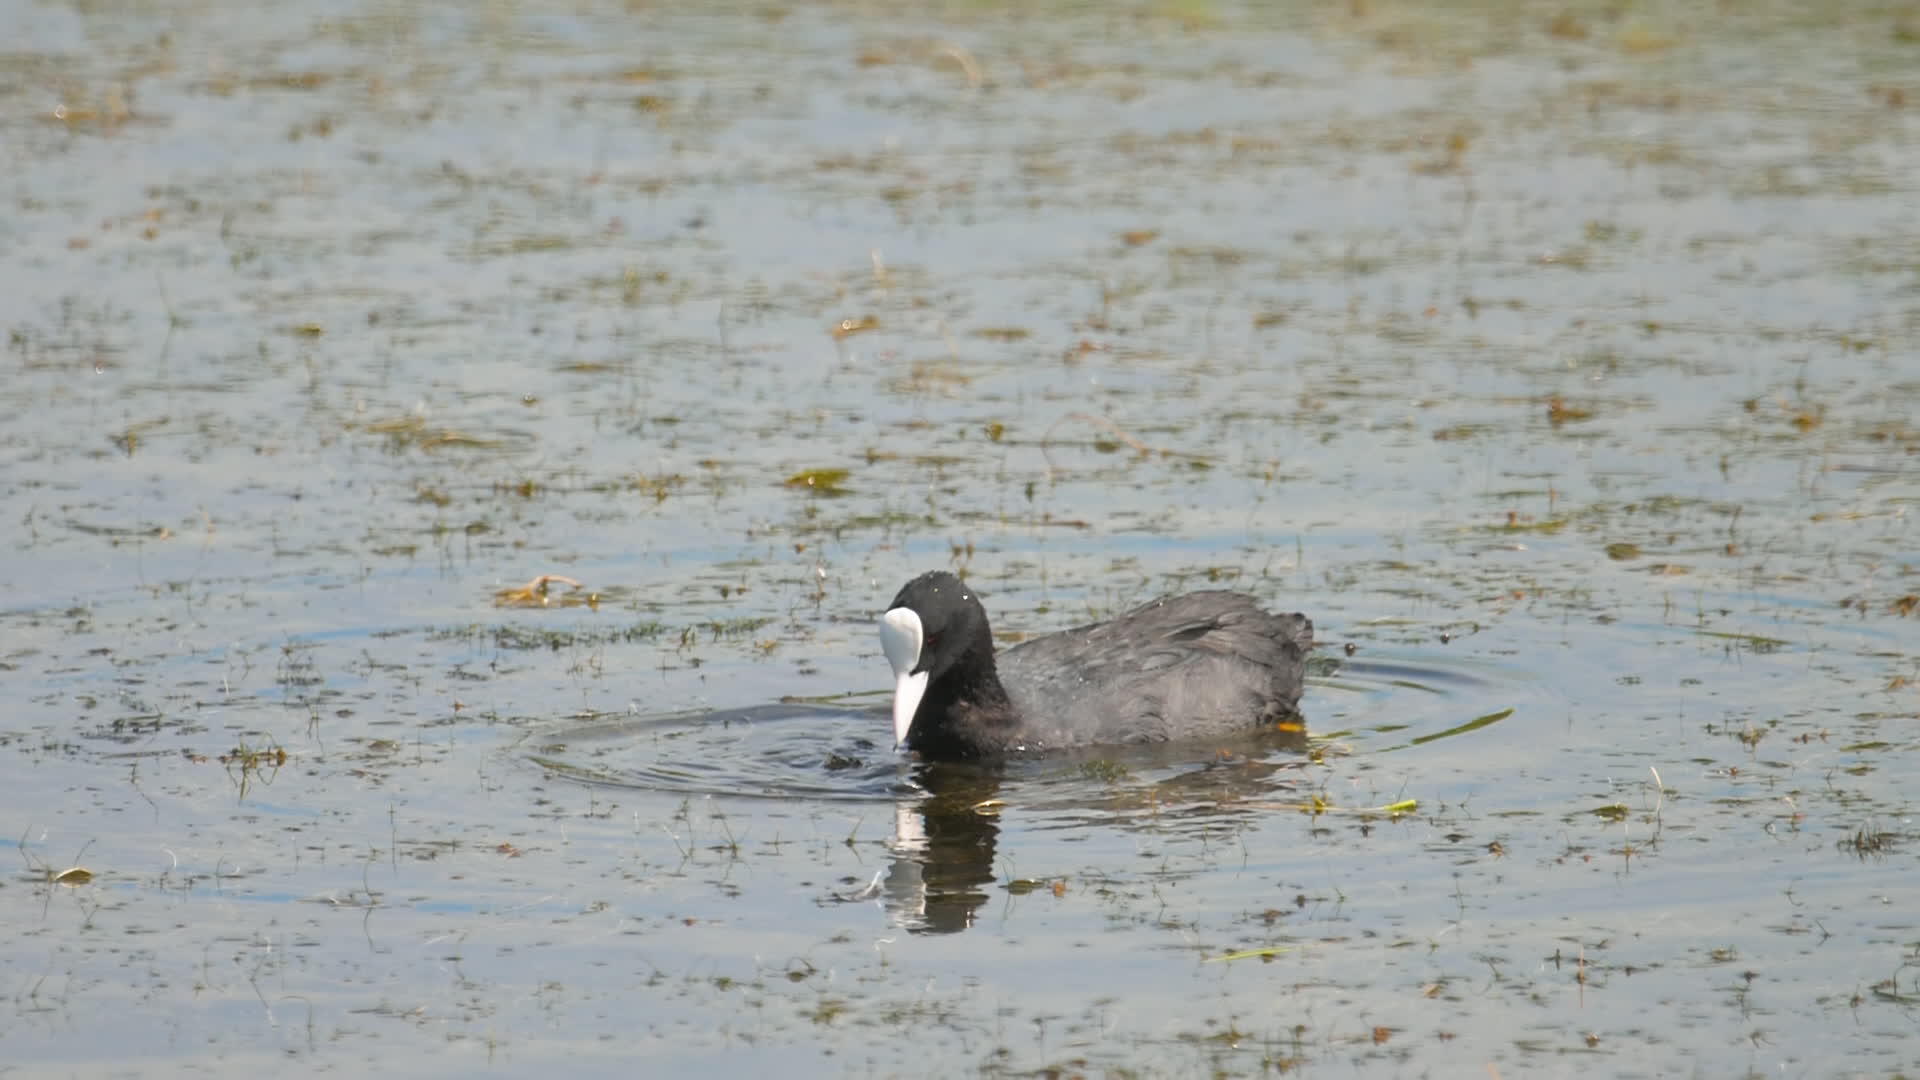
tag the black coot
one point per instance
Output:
(1184, 667)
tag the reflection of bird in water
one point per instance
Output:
(945, 845)
(943, 849)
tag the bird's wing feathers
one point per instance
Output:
(1214, 660)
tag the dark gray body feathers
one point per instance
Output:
(1202, 665)
(1184, 667)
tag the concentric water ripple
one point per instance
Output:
(844, 753)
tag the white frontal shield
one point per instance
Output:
(901, 636)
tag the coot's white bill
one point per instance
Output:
(900, 638)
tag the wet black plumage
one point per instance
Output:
(1195, 666)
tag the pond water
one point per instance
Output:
(453, 461)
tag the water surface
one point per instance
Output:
(1560, 361)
